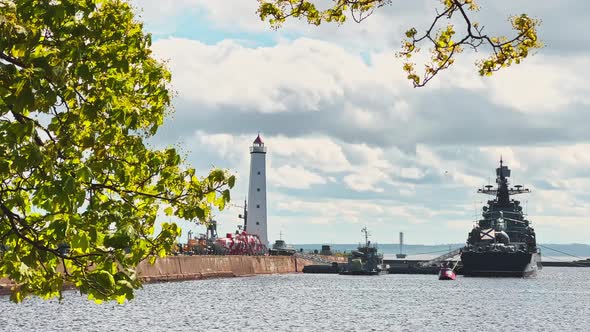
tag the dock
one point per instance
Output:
(420, 266)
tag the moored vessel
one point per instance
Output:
(281, 248)
(503, 243)
(365, 260)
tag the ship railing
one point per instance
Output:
(258, 149)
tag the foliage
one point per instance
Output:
(443, 42)
(80, 191)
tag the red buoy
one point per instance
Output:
(446, 273)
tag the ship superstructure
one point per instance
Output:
(503, 243)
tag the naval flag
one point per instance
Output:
(487, 234)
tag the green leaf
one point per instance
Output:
(211, 197)
(81, 241)
(84, 174)
(168, 211)
(68, 185)
(16, 296)
(23, 269)
(104, 279)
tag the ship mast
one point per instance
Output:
(503, 192)
(364, 230)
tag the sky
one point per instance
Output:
(352, 144)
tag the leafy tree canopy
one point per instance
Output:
(79, 189)
(445, 41)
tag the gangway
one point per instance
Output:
(436, 260)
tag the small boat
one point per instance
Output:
(280, 248)
(364, 261)
(446, 273)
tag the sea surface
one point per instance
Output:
(557, 300)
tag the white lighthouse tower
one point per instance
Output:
(256, 220)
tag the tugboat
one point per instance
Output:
(503, 243)
(365, 260)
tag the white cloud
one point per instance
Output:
(367, 155)
(355, 211)
(309, 86)
(289, 77)
(293, 177)
(371, 170)
(411, 173)
(231, 148)
(321, 153)
(449, 170)
(367, 179)
(543, 84)
(494, 153)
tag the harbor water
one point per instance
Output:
(558, 299)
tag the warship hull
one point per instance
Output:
(500, 264)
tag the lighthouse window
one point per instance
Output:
(258, 206)
(257, 189)
(258, 172)
(257, 223)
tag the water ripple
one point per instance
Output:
(557, 300)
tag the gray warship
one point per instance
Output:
(365, 260)
(503, 243)
(281, 248)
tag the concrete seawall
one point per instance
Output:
(201, 267)
(177, 268)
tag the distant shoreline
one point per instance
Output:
(572, 250)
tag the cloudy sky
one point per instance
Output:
(351, 143)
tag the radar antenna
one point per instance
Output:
(503, 173)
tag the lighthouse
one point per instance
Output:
(256, 222)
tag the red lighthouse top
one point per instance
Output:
(258, 140)
(258, 145)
